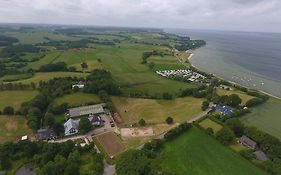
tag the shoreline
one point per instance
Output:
(266, 93)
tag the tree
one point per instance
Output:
(85, 125)
(142, 122)
(8, 110)
(210, 131)
(84, 65)
(205, 105)
(169, 120)
(58, 128)
(225, 136)
(49, 119)
(236, 126)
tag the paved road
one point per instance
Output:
(198, 117)
(108, 169)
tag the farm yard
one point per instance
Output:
(266, 117)
(195, 152)
(15, 98)
(156, 111)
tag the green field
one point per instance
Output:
(77, 99)
(197, 153)
(50, 75)
(208, 123)
(13, 128)
(156, 111)
(241, 94)
(266, 117)
(15, 98)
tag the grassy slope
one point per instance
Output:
(207, 123)
(12, 128)
(241, 94)
(15, 98)
(197, 153)
(156, 111)
(50, 75)
(266, 117)
(76, 99)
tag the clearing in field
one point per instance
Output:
(12, 128)
(245, 97)
(111, 144)
(76, 99)
(156, 111)
(15, 98)
(195, 152)
(136, 132)
(50, 75)
(266, 117)
(208, 123)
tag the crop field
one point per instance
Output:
(15, 98)
(13, 128)
(208, 123)
(266, 117)
(156, 111)
(50, 75)
(76, 99)
(241, 94)
(195, 152)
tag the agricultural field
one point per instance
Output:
(15, 98)
(76, 99)
(156, 111)
(245, 97)
(50, 75)
(13, 128)
(208, 123)
(266, 117)
(195, 152)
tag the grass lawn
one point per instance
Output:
(76, 99)
(156, 111)
(12, 128)
(208, 123)
(15, 98)
(266, 117)
(195, 152)
(241, 94)
(50, 75)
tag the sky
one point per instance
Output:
(243, 15)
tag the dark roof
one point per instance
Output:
(225, 110)
(246, 141)
(45, 134)
(95, 118)
(260, 155)
(25, 171)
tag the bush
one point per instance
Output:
(8, 110)
(172, 134)
(210, 131)
(254, 102)
(85, 125)
(169, 120)
(205, 105)
(142, 122)
(248, 154)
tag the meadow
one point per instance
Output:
(195, 152)
(208, 123)
(15, 98)
(156, 111)
(266, 117)
(13, 128)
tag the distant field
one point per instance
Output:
(76, 99)
(156, 111)
(50, 75)
(197, 153)
(245, 97)
(15, 98)
(207, 123)
(12, 128)
(266, 117)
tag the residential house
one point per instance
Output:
(71, 127)
(247, 142)
(46, 134)
(225, 110)
(95, 120)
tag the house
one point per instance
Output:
(247, 142)
(46, 134)
(85, 110)
(225, 110)
(95, 120)
(260, 155)
(71, 127)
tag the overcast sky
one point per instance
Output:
(252, 15)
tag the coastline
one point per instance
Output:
(266, 93)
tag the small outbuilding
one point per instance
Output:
(260, 155)
(46, 134)
(247, 142)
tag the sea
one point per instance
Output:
(251, 59)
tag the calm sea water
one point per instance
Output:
(249, 59)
